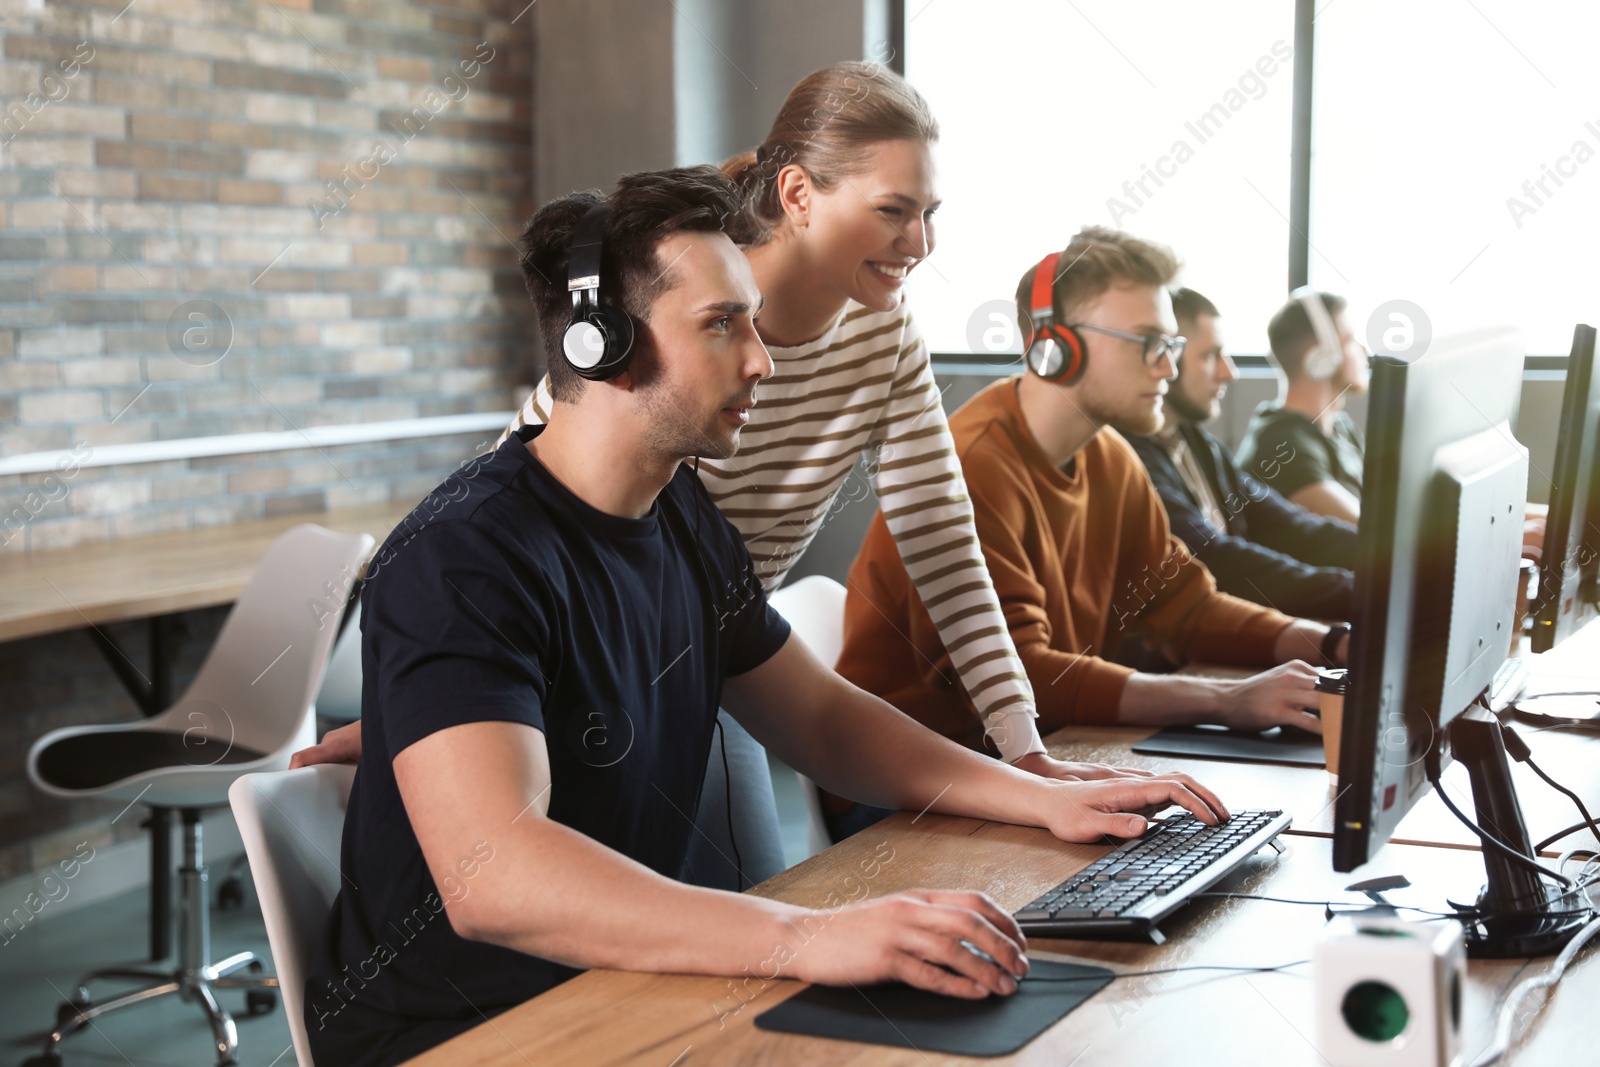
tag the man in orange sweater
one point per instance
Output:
(1075, 536)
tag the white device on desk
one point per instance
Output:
(1388, 992)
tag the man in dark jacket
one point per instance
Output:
(1256, 543)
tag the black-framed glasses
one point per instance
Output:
(1154, 347)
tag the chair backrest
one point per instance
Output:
(814, 607)
(292, 823)
(256, 686)
(339, 699)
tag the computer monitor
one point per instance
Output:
(1444, 493)
(1569, 573)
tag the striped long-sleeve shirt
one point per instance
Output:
(866, 386)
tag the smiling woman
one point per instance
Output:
(841, 198)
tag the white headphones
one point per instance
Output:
(1323, 360)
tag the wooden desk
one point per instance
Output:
(1193, 1019)
(1571, 757)
(152, 578)
(64, 589)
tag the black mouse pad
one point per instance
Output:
(1277, 745)
(930, 1022)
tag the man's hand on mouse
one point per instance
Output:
(1275, 697)
(915, 937)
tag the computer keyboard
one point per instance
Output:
(1510, 682)
(1139, 883)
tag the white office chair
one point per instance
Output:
(292, 823)
(814, 607)
(247, 710)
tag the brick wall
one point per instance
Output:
(221, 216)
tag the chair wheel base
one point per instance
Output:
(49, 1059)
(66, 1011)
(260, 1001)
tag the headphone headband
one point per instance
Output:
(583, 258)
(1043, 304)
(598, 341)
(1323, 359)
(1055, 351)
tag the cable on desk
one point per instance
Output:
(1327, 904)
(1559, 834)
(1431, 765)
(1171, 970)
(1464, 914)
(1588, 820)
(1508, 1011)
(1541, 696)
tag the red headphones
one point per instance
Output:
(1056, 352)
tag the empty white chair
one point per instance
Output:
(248, 709)
(814, 607)
(291, 823)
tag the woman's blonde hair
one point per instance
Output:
(826, 122)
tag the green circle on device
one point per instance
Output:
(1375, 1011)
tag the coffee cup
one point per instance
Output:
(1332, 685)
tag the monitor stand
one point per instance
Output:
(1533, 916)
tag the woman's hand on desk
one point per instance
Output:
(1067, 771)
(1089, 811)
(338, 746)
(916, 938)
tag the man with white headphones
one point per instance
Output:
(544, 652)
(1304, 444)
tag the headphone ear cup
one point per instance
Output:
(584, 344)
(600, 345)
(1323, 362)
(1058, 355)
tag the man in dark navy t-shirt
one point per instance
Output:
(545, 642)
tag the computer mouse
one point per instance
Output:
(981, 954)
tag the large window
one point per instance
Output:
(1170, 119)
(1455, 148)
(1456, 162)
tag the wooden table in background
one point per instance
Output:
(112, 581)
(154, 578)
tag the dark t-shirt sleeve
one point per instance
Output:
(455, 636)
(756, 638)
(1288, 455)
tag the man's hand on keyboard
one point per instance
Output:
(1067, 771)
(914, 937)
(1088, 811)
